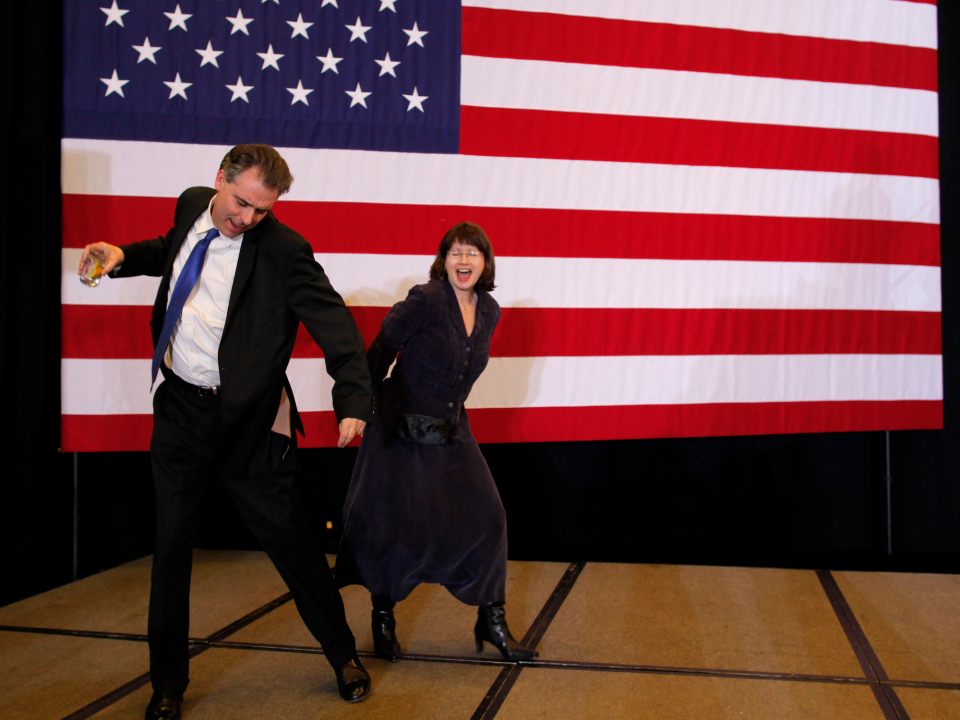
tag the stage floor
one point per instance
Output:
(615, 641)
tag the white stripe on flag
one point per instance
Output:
(610, 90)
(120, 387)
(381, 280)
(113, 167)
(106, 387)
(881, 21)
(687, 379)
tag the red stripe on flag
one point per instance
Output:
(599, 41)
(113, 433)
(624, 422)
(115, 219)
(105, 433)
(107, 332)
(417, 229)
(548, 332)
(503, 132)
(539, 332)
(99, 433)
(123, 332)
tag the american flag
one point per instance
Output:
(711, 217)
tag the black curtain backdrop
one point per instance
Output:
(36, 495)
(788, 501)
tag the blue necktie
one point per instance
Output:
(181, 291)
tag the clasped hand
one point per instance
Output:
(349, 429)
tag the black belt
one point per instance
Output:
(171, 377)
(423, 429)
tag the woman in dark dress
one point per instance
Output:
(422, 505)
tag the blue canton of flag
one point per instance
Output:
(359, 74)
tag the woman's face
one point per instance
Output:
(463, 270)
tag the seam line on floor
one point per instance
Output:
(607, 667)
(884, 693)
(596, 666)
(121, 692)
(492, 661)
(493, 700)
(542, 664)
(92, 634)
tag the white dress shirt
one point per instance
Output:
(193, 353)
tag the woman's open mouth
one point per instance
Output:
(464, 275)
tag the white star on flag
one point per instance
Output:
(387, 65)
(416, 101)
(146, 51)
(210, 55)
(384, 4)
(239, 23)
(329, 2)
(114, 15)
(240, 90)
(177, 87)
(299, 27)
(114, 84)
(299, 93)
(276, 1)
(178, 19)
(269, 58)
(359, 97)
(329, 62)
(416, 35)
(358, 31)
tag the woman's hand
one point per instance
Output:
(349, 429)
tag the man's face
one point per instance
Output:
(240, 204)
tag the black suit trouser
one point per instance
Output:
(186, 450)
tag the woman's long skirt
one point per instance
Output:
(419, 513)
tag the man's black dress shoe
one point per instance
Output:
(164, 706)
(353, 682)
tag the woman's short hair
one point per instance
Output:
(273, 170)
(467, 233)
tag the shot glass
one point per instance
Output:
(92, 268)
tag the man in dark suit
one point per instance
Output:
(236, 284)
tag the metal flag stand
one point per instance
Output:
(76, 516)
(889, 480)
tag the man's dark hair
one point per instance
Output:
(273, 170)
(467, 233)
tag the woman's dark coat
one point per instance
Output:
(418, 513)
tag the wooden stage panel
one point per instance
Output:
(701, 617)
(912, 621)
(617, 641)
(50, 676)
(926, 704)
(248, 684)
(430, 621)
(586, 695)
(226, 585)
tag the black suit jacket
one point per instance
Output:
(278, 284)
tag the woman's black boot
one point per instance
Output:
(492, 627)
(384, 626)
